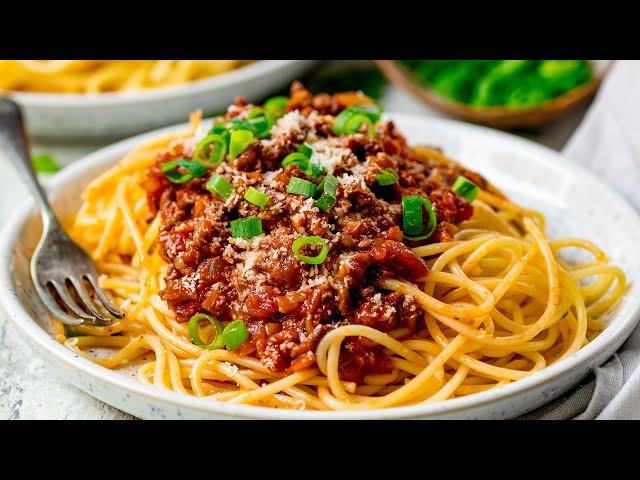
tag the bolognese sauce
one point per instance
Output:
(286, 303)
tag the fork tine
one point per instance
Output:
(54, 309)
(84, 296)
(116, 312)
(70, 303)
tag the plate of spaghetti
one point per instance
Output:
(114, 98)
(314, 257)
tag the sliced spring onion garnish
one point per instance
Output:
(299, 186)
(354, 125)
(305, 149)
(326, 193)
(257, 112)
(465, 188)
(371, 110)
(256, 197)
(211, 151)
(350, 120)
(44, 164)
(341, 120)
(314, 240)
(316, 170)
(246, 227)
(171, 171)
(235, 334)
(433, 221)
(220, 186)
(412, 217)
(431, 225)
(276, 106)
(300, 160)
(231, 125)
(239, 141)
(261, 120)
(262, 126)
(387, 177)
(194, 331)
(232, 135)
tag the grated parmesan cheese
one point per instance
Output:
(292, 122)
(268, 178)
(350, 180)
(329, 156)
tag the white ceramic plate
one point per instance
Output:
(111, 115)
(575, 203)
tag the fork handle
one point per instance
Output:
(14, 143)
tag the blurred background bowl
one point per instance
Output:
(113, 115)
(497, 116)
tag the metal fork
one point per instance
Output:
(58, 262)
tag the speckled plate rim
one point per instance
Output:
(619, 328)
(243, 73)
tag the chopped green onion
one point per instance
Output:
(466, 188)
(235, 334)
(412, 217)
(211, 151)
(326, 193)
(299, 186)
(262, 126)
(231, 125)
(301, 161)
(305, 149)
(276, 106)
(355, 123)
(220, 186)
(341, 120)
(246, 227)
(316, 170)
(433, 221)
(387, 177)
(256, 197)
(257, 112)
(44, 164)
(351, 119)
(261, 120)
(431, 225)
(194, 169)
(194, 333)
(240, 140)
(314, 240)
(371, 110)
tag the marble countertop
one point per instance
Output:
(29, 389)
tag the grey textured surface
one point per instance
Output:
(29, 389)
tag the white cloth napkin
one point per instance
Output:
(608, 143)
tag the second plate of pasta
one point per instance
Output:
(113, 98)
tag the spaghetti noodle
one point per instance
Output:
(99, 76)
(494, 304)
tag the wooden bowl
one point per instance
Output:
(499, 117)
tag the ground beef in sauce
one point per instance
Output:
(289, 305)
